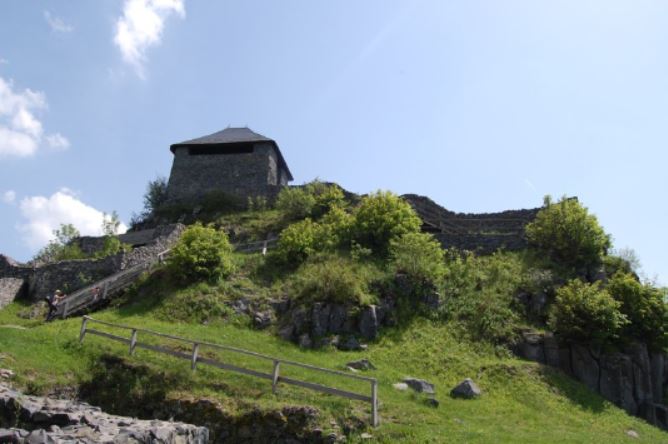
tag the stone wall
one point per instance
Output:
(243, 175)
(483, 233)
(35, 283)
(633, 378)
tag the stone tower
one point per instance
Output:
(235, 161)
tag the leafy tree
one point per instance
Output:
(568, 234)
(586, 312)
(155, 195)
(110, 224)
(418, 255)
(201, 253)
(327, 196)
(61, 248)
(295, 202)
(335, 229)
(382, 216)
(644, 307)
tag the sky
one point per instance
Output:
(481, 105)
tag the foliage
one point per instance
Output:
(586, 312)
(198, 303)
(155, 195)
(112, 245)
(295, 202)
(110, 224)
(61, 248)
(201, 253)
(297, 242)
(382, 216)
(644, 307)
(326, 196)
(418, 255)
(335, 229)
(332, 278)
(568, 234)
(479, 294)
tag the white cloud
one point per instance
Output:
(57, 142)
(9, 196)
(21, 132)
(4, 61)
(141, 26)
(56, 23)
(44, 214)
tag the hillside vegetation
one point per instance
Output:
(356, 252)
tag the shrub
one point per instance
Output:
(586, 312)
(335, 229)
(382, 216)
(297, 242)
(202, 252)
(418, 255)
(62, 247)
(333, 279)
(295, 202)
(479, 294)
(327, 196)
(198, 303)
(112, 245)
(568, 234)
(644, 307)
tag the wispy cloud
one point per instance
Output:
(9, 196)
(4, 61)
(43, 214)
(141, 27)
(56, 23)
(21, 132)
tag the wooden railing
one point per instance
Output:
(256, 247)
(275, 375)
(103, 289)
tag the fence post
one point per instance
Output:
(133, 342)
(104, 292)
(193, 363)
(67, 304)
(274, 376)
(374, 400)
(82, 333)
(264, 248)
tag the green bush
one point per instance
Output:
(327, 196)
(155, 195)
(297, 242)
(112, 245)
(382, 216)
(202, 252)
(295, 203)
(62, 248)
(644, 307)
(418, 255)
(568, 234)
(333, 279)
(586, 312)
(335, 229)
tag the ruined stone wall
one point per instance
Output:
(246, 174)
(34, 283)
(483, 233)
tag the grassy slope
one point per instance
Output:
(522, 401)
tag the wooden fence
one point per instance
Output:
(275, 376)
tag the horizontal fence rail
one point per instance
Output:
(256, 247)
(275, 377)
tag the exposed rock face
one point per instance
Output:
(632, 379)
(58, 420)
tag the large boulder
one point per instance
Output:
(420, 385)
(531, 346)
(466, 389)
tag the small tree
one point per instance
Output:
(202, 253)
(297, 242)
(644, 307)
(295, 202)
(586, 312)
(568, 234)
(156, 194)
(382, 216)
(61, 248)
(327, 196)
(418, 255)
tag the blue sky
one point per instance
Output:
(481, 105)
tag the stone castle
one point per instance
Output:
(235, 161)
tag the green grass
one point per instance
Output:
(521, 402)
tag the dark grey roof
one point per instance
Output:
(234, 135)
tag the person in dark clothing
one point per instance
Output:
(53, 300)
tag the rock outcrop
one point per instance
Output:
(32, 419)
(633, 378)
